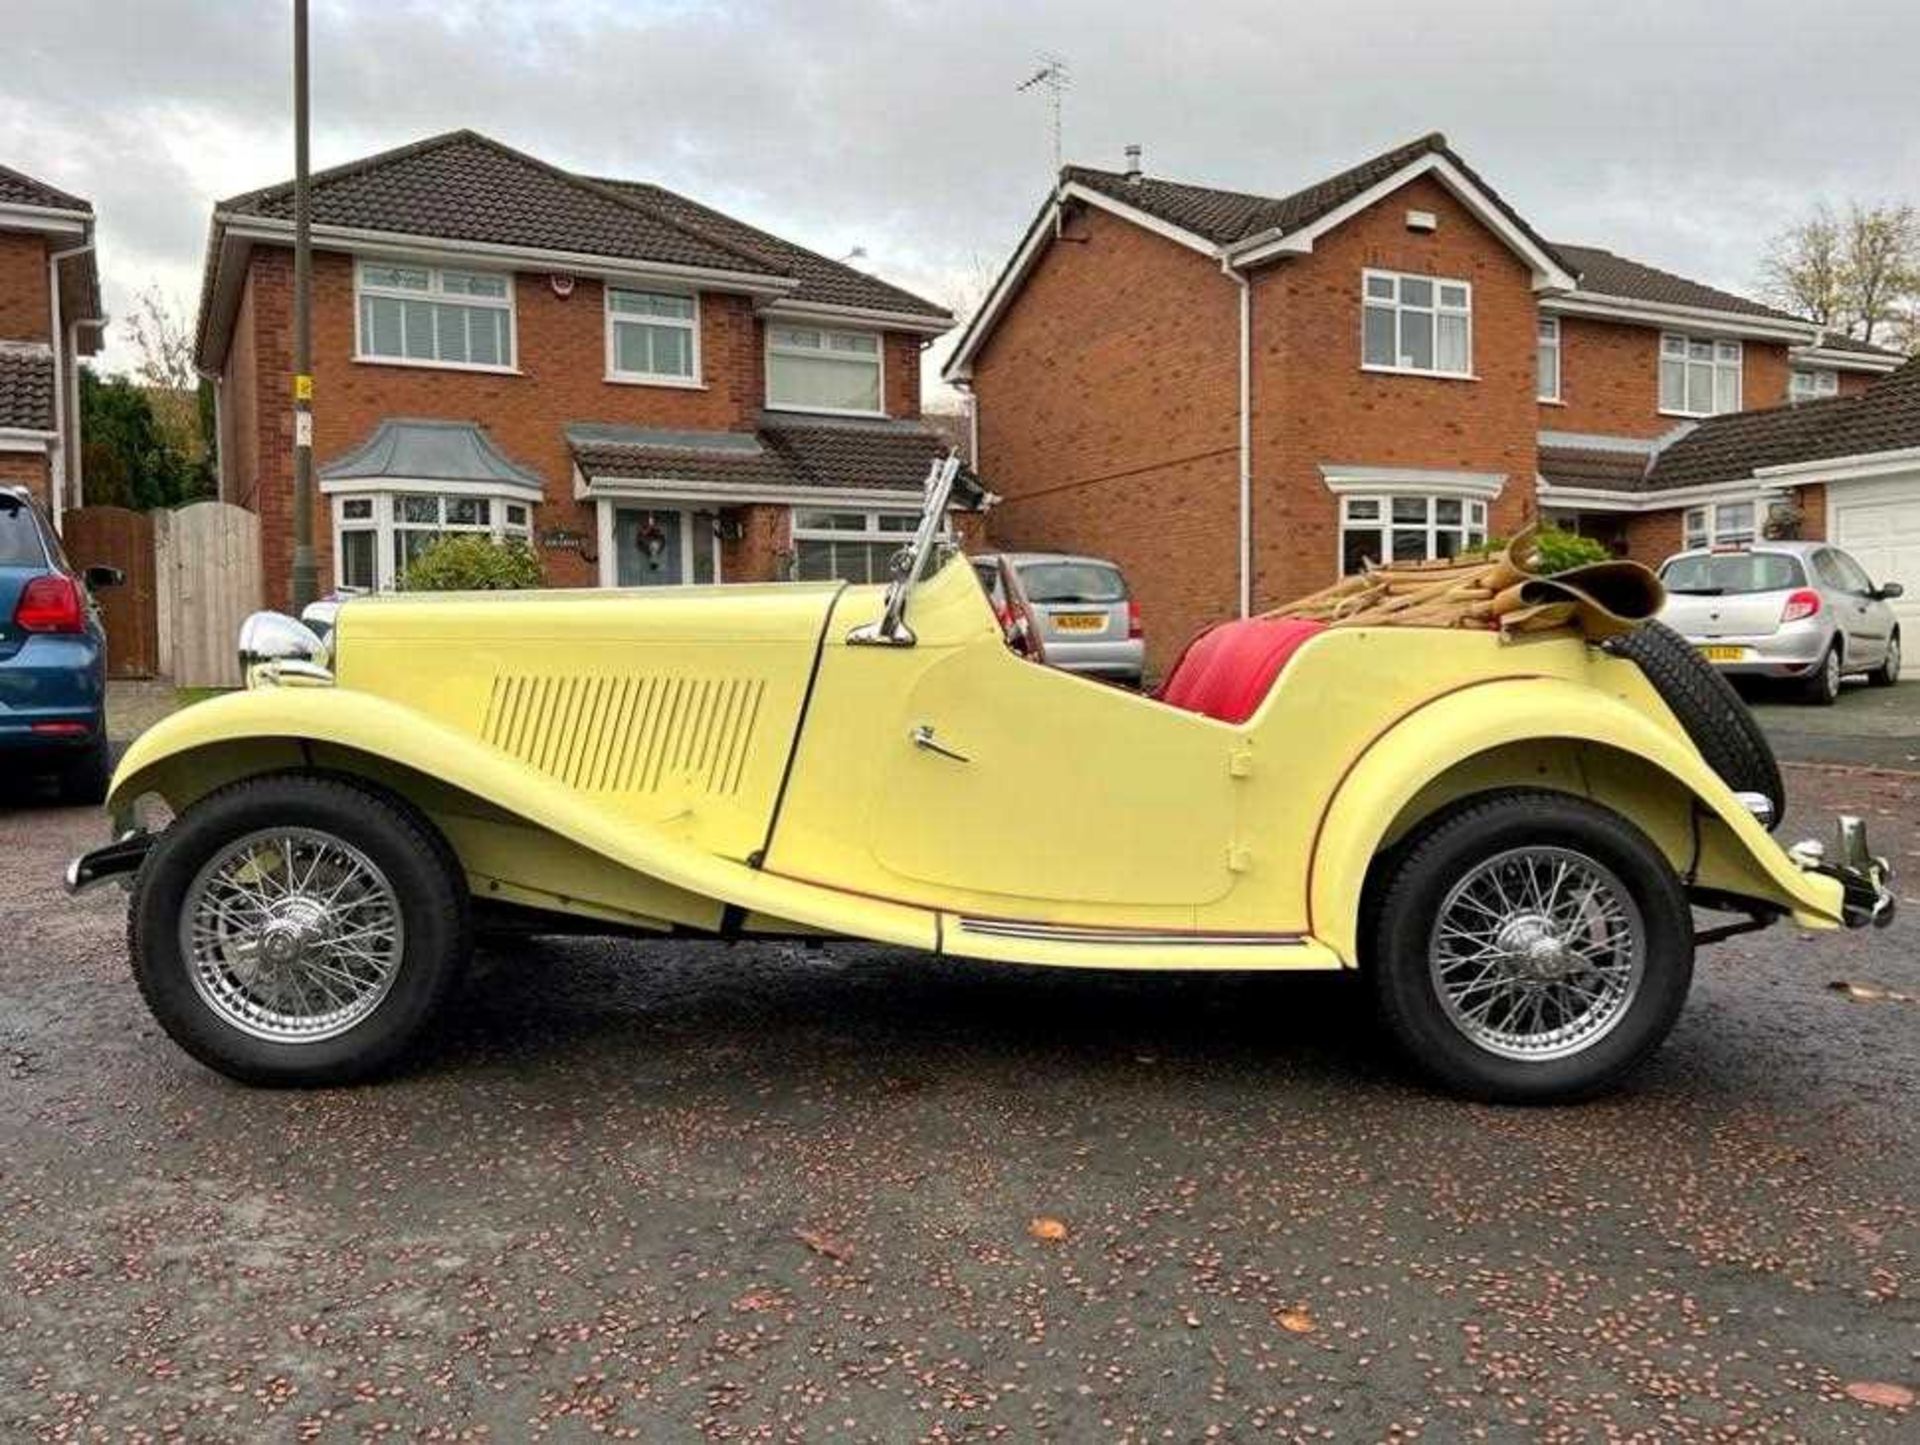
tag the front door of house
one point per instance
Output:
(649, 550)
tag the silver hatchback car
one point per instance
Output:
(1082, 617)
(1802, 610)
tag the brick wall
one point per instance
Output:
(1109, 416)
(25, 304)
(1314, 404)
(561, 361)
(1610, 379)
(1852, 383)
(26, 469)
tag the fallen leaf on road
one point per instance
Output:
(1295, 1321)
(1870, 992)
(1880, 1392)
(822, 1243)
(1043, 1227)
(754, 1301)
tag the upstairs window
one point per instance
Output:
(1698, 376)
(1547, 367)
(653, 336)
(810, 368)
(1810, 383)
(1418, 324)
(431, 316)
(1408, 529)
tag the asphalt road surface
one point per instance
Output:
(674, 1191)
(1868, 727)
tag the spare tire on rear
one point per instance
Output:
(1713, 714)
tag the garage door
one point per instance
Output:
(1879, 523)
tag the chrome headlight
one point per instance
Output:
(275, 648)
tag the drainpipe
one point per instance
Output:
(58, 480)
(1241, 279)
(73, 407)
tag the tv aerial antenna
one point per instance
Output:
(1053, 78)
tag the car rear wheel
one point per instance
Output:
(1888, 672)
(298, 929)
(1822, 687)
(1529, 947)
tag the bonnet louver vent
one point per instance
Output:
(628, 734)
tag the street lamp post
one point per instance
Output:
(305, 575)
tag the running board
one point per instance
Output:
(1073, 945)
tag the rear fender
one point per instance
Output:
(1549, 732)
(240, 735)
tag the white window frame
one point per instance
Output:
(870, 535)
(1398, 307)
(1472, 525)
(774, 325)
(1822, 382)
(434, 294)
(1719, 364)
(614, 319)
(1547, 338)
(383, 522)
(1706, 526)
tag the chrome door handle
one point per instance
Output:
(923, 738)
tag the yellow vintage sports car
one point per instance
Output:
(1503, 833)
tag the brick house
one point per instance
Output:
(1238, 396)
(49, 314)
(648, 391)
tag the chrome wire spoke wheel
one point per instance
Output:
(1537, 953)
(291, 935)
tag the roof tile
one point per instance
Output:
(1606, 274)
(26, 387)
(17, 189)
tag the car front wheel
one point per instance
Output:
(1530, 947)
(298, 929)
(1888, 672)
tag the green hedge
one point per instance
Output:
(473, 563)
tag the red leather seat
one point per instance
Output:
(1226, 671)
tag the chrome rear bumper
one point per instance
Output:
(117, 859)
(1867, 880)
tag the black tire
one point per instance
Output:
(1713, 714)
(417, 862)
(1414, 884)
(84, 778)
(1822, 685)
(1888, 672)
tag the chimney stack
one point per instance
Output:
(1133, 165)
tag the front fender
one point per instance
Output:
(1445, 731)
(269, 729)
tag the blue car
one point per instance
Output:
(53, 658)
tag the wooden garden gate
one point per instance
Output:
(209, 580)
(117, 537)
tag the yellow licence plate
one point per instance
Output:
(1080, 621)
(1723, 654)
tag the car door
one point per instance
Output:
(1868, 620)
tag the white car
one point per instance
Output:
(1800, 610)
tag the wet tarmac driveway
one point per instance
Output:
(673, 1191)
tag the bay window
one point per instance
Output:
(1719, 524)
(848, 546)
(1419, 324)
(434, 316)
(1407, 528)
(376, 536)
(812, 368)
(653, 336)
(1698, 376)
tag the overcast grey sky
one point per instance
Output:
(1678, 134)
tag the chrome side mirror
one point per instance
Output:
(274, 637)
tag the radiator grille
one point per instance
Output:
(628, 734)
